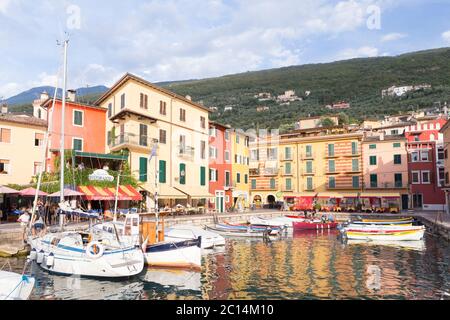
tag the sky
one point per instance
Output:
(168, 40)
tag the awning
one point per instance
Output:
(67, 193)
(7, 190)
(303, 195)
(99, 193)
(165, 191)
(195, 194)
(380, 195)
(31, 192)
(100, 156)
(330, 195)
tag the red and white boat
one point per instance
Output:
(314, 225)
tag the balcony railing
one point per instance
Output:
(387, 185)
(264, 172)
(288, 157)
(131, 139)
(307, 155)
(306, 172)
(185, 151)
(285, 188)
(307, 187)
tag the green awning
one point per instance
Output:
(100, 156)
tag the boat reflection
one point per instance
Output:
(178, 279)
(411, 245)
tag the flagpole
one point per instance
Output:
(155, 153)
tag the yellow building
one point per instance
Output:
(445, 131)
(240, 168)
(142, 117)
(21, 148)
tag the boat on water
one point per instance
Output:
(157, 250)
(273, 222)
(186, 232)
(388, 220)
(314, 225)
(413, 233)
(236, 232)
(411, 245)
(248, 227)
(14, 286)
(85, 254)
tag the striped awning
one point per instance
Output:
(99, 193)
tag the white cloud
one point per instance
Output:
(362, 52)
(446, 36)
(393, 37)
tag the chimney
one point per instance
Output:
(189, 98)
(4, 108)
(71, 95)
(44, 96)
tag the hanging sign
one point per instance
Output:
(101, 175)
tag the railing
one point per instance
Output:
(306, 172)
(131, 139)
(307, 156)
(185, 151)
(284, 157)
(285, 188)
(254, 172)
(264, 172)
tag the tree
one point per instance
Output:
(327, 122)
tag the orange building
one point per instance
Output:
(85, 127)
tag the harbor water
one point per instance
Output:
(308, 265)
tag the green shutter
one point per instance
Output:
(331, 150)
(182, 173)
(373, 180)
(372, 146)
(288, 184)
(309, 167)
(272, 183)
(288, 168)
(143, 169)
(332, 182)
(331, 166)
(202, 176)
(397, 145)
(355, 182)
(308, 151)
(354, 147)
(309, 183)
(246, 179)
(253, 183)
(162, 171)
(373, 160)
(355, 165)
(238, 178)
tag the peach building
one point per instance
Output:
(385, 172)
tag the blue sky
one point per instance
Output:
(165, 40)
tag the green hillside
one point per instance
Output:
(358, 81)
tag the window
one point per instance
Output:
(4, 166)
(415, 156)
(397, 159)
(109, 110)
(309, 183)
(238, 177)
(441, 176)
(227, 156)
(287, 153)
(440, 154)
(397, 145)
(331, 150)
(254, 155)
(247, 141)
(212, 132)
(373, 181)
(424, 155)
(38, 139)
(246, 178)
(309, 151)
(331, 182)
(355, 182)
(227, 179)
(162, 171)
(122, 101)
(253, 183)
(372, 146)
(398, 180)
(309, 167)
(182, 177)
(288, 168)
(162, 108)
(143, 135)
(37, 168)
(331, 166)
(354, 147)
(445, 154)
(394, 132)
(143, 102)
(415, 177)
(212, 153)
(355, 165)
(425, 177)
(78, 118)
(288, 184)
(39, 113)
(183, 115)
(272, 154)
(143, 169)
(447, 179)
(227, 135)
(203, 149)
(5, 135)
(182, 144)
(272, 183)
(213, 175)
(77, 144)
(237, 138)
(203, 122)
(203, 176)
(162, 136)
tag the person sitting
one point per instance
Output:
(38, 227)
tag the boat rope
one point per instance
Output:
(24, 278)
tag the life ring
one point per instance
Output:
(95, 250)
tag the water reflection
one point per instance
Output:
(309, 265)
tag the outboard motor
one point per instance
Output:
(50, 260)
(40, 257)
(33, 255)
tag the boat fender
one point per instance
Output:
(33, 255)
(200, 241)
(95, 250)
(50, 260)
(40, 257)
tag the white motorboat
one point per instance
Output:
(83, 254)
(14, 286)
(186, 232)
(158, 252)
(273, 222)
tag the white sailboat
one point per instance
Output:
(78, 253)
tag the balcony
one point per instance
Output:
(185, 151)
(351, 154)
(387, 185)
(308, 187)
(254, 172)
(287, 174)
(307, 156)
(127, 140)
(306, 172)
(331, 155)
(287, 188)
(288, 157)
(264, 172)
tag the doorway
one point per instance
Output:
(220, 201)
(405, 201)
(417, 201)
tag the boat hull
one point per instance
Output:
(314, 225)
(385, 235)
(182, 233)
(238, 233)
(14, 286)
(184, 255)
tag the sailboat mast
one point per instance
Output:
(63, 111)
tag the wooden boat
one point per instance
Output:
(14, 286)
(314, 225)
(411, 234)
(410, 245)
(388, 220)
(248, 227)
(383, 222)
(363, 227)
(239, 233)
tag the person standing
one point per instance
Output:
(24, 219)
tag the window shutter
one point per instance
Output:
(182, 173)
(202, 176)
(143, 169)
(162, 171)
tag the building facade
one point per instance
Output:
(240, 169)
(445, 131)
(165, 136)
